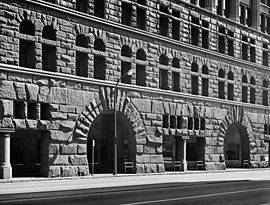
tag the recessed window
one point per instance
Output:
(44, 111)
(202, 124)
(140, 68)
(81, 57)
(172, 121)
(141, 15)
(230, 86)
(82, 5)
(19, 109)
(163, 79)
(221, 40)
(196, 123)
(265, 54)
(99, 60)
(48, 50)
(252, 51)
(190, 123)
(99, 8)
(32, 110)
(179, 122)
(230, 43)
(252, 90)
(175, 25)
(205, 81)
(265, 92)
(195, 33)
(163, 21)
(166, 121)
(205, 34)
(221, 84)
(175, 81)
(126, 13)
(244, 88)
(194, 79)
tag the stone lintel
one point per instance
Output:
(183, 137)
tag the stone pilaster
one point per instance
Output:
(183, 153)
(5, 167)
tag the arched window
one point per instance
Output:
(194, 79)
(140, 67)
(82, 56)
(244, 88)
(265, 92)
(126, 64)
(252, 90)
(230, 86)
(175, 75)
(48, 50)
(27, 47)
(221, 84)
(27, 27)
(99, 59)
(205, 81)
(163, 72)
(99, 8)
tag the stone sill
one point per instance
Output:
(154, 36)
(62, 76)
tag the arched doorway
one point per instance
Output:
(236, 146)
(102, 133)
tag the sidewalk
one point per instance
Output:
(33, 185)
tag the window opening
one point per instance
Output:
(81, 57)
(140, 69)
(175, 25)
(141, 15)
(163, 21)
(32, 110)
(252, 90)
(82, 5)
(202, 124)
(230, 43)
(230, 86)
(195, 33)
(44, 111)
(205, 34)
(175, 81)
(244, 48)
(27, 27)
(126, 13)
(265, 54)
(194, 79)
(179, 122)
(221, 40)
(205, 84)
(196, 123)
(252, 51)
(265, 92)
(49, 51)
(172, 121)
(221, 85)
(99, 60)
(190, 123)
(99, 7)
(163, 79)
(219, 5)
(19, 109)
(244, 88)
(166, 121)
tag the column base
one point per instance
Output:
(184, 166)
(5, 172)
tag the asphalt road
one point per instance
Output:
(221, 193)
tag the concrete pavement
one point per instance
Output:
(30, 185)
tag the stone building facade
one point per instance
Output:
(199, 92)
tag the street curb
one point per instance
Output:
(37, 179)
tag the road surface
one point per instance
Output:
(242, 192)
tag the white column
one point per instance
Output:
(5, 166)
(183, 154)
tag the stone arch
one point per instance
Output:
(237, 115)
(104, 100)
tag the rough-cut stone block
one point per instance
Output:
(61, 136)
(139, 149)
(143, 105)
(19, 123)
(54, 171)
(7, 90)
(43, 94)
(58, 95)
(58, 159)
(67, 126)
(82, 149)
(157, 107)
(79, 98)
(58, 116)
(160, 168)
(69, 171)
(20, 91)
(150, 168)
(154, 139)
(158, 159)
(6, 108)
(6, 123)
(149, 149)
(54, 149)
(32, 124)
(140, 168)
(78, 160)
(143, 159)
(32, 92)
(83, 170)
(68, 149)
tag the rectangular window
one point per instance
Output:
(219, 7)
(265, 129)
(175, 81)
(141, 18)
(48, 58)
(230, 43)
(263, 23)
(242, 14)
(99, 8)
(44, 111)
(196, 123)
(244, 94)
(163, 79)
(82, 5)
(99, 67)
(125, 67)
(221, 92)
(194, 85)
(81, 64)
(205, 86)
(140, 75)
(175, 25)
(126, 13)
(230, 91)
(252, 51)
(163, 25)
(227, 8)
(166, 121)
(32, 111)
(179, 122)
(190, 123)
(202, 124)
(172, 121)
(244, 48)
(27, 54)
(19, 109)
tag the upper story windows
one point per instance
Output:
(163, 72)
(265, 93)
(175, 75)
(199, 32)
(81, 55)
(163, 20)
(141, 67)
(49, 49)
(99, 59)
(126, 54)
(194, 79)
(27, 44)
(248, 49)
(221, 84)
(82, 6)
(126, 13)
(245, 15)
(230, 86)
(141, 14)
(99, 8)
(265, 57)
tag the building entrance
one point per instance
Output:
(236, 146)
(100, 144)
